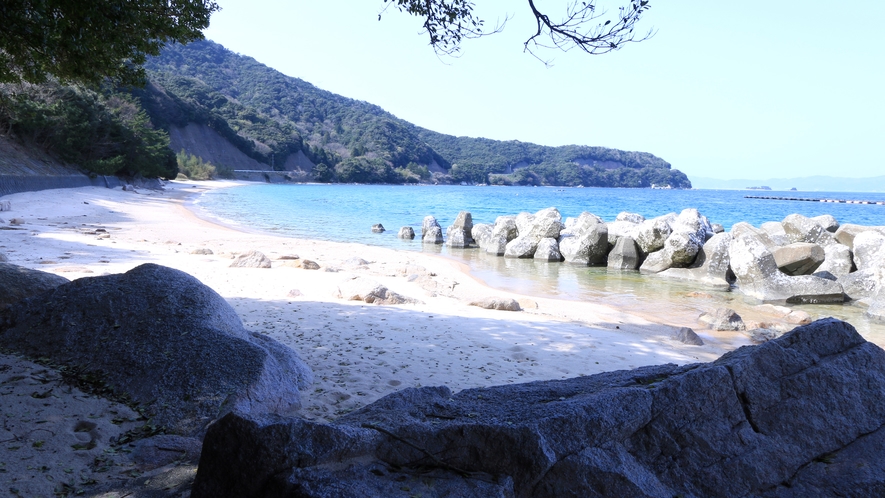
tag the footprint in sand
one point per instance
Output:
(394, 383)
(86, 434)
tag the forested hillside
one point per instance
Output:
(273, 121)
(269, 116)
(105, 131)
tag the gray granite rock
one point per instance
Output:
(432, 236)
(18, 282)
(585, 241)
(546, 223)
(758, 276)
(863, 284)
(686, 335)
(876, 310)
(803, 229)
(481, 234)
(827, 221)
(370, 291)
(428, 223)
(497, 303)
(251, 259)
(630, 217)
(847, 232)
(165, 340)
(406, 233)
(869, 250)
(625, 255)
(548, 250)
(504, 231)
(723, 319)
(799, 258)
(523, 246)
(711, 266)
(748, 424)
(655, 262)
(618, 229)
(651, 234)
(775, 231)
(689, 231)
(459, 234)
(837, 260)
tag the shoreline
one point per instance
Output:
(358, 352)
(159, 227)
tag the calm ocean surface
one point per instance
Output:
(345, 213)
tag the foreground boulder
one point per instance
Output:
(162, 338)
(760, 421)
(18, 282)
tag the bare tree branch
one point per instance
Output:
(583, 25)
(446, 22)
(587, 28)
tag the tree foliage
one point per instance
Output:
(195, 168)
(107, 132)
(583, 25)
(89, 40)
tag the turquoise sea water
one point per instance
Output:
(345, 213)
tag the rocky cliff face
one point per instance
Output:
(204, 142)
(798, 416)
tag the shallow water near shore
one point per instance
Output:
(345, 213)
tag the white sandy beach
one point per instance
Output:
(359, 352)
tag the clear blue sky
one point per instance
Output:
(752, 89)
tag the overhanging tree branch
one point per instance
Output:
(446, 22)
(584, 25)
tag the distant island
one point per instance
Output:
(819, 183)
(759, 188)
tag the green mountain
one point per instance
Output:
(285, 123)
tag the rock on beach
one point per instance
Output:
(163, 339)
(756, 422)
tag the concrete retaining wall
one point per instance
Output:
(15, 184)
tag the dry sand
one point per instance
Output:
(359, 352)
